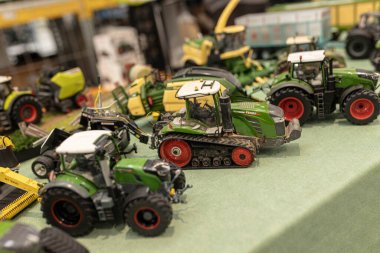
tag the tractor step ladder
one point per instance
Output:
(5, 121)
(319, 93)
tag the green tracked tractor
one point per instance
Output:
(96, 185)
(213, 132)
(17, 106)
(313, 82)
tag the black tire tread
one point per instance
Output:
(54, 240)
(86, 204)
(27, 99)
(161, 203)
(47, 161)
(361, 38)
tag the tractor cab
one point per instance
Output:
(301, 44)
(202, 107)
(370, 20)
(5, 87)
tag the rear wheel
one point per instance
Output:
(294, 102)
(80, 100)
(149, 216)
(359, 47)
(27, 109)
(242, 156)
(42, 166)
(54, 240)
(176, 151)
(361, 107)
(68, 211)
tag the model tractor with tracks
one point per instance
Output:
(17, 106)
(306, 43)
(213, 132)
(312, 82)
(361, 39)
(226, 48)
(62, 89)
(95, 185)
(151, 94)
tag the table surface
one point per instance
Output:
(317, 194)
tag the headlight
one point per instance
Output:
(275, 111)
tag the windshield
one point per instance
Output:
(301, 47)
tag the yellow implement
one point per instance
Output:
(22, 194)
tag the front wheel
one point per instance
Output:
(149, 216)
(68, 211)
(359, 47)
(42, 166)
(27, 109)
(294, 102)
(361, 107)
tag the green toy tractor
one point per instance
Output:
(95, 186)
(17, 106)
(22, 238)
(62, 89)
(312, 82)
(213, 132)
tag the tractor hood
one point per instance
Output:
(349, 75)
(280, 78)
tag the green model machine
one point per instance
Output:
(62, 89)
(22, 238)
(312, 82)
(17, 106)
(96, 185)
(213, 132)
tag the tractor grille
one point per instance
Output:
(256, 125)
(280, 126)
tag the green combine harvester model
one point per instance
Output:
(96, 185)
(313, 82)
(17, 106)
(22, 238)
(62, 89)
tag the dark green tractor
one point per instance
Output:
(95, 186)
(312, 82)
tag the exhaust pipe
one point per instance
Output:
(225, 107)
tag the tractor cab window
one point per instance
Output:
(309, 72)
(5, 90)
(302, 47)
(203, 109)
(369, 20)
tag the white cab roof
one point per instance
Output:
(296, 40)
(82, 142)
(307, 56)
(4, 79)
(198, 88)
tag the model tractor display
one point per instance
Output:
(62, 89)
(96, 185)
(226, 48)
(17, 106)
(22, 238)
(375, 56)
(150, 94)
(361, 40)
(213, 132)
(306, 43)
(312, 82)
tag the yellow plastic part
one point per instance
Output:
(17, 180)
(234, 53)
(135, 106)
(11, 97)
(6, 142)
(222, 22)
(71, 82)
(197, 55)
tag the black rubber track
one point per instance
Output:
(54, 240)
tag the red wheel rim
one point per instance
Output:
(242, 156)
(66, 213)
(147, 218)
(293, 108)
(28, 113)
(176, 151)
(81, 100)
(362, 109)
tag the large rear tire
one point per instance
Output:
(54, 240)
(359, 47)
(68, 211)
(361, 107)
(294, 102)
(27, 109)
(149, 216)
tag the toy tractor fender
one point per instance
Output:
(140, 192)
(81, 191)
(23, 106)
(11, 99)
(347, 92)
(302, 86)
(360, 32)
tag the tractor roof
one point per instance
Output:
(82, 142)
(307, 56)
(198, 88)
(295, 40)
(5, 79)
